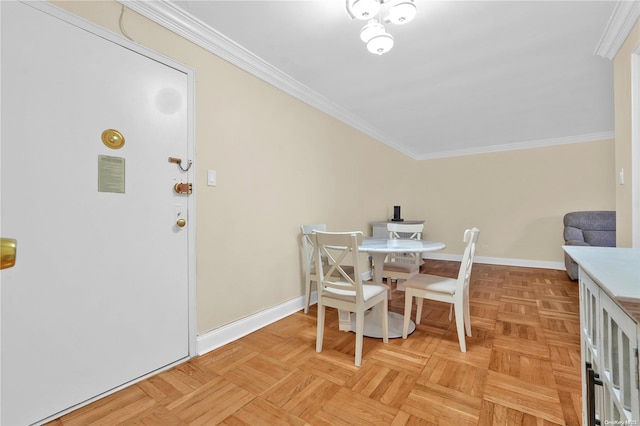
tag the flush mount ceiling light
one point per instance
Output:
(397, 12)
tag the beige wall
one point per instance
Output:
(516, 198)
(281, 163)
(622, 95)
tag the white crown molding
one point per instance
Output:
(624, 16)
(591, 137)
(176, 20)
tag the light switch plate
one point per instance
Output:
(212, 178)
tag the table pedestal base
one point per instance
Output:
(373, 324)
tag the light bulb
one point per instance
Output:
(380, 44)
(402, 11)
(365, 9)
(372, 29)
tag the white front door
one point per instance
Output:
(99, 295)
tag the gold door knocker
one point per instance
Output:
(112, 139)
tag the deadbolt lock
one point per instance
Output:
(183, 188)
(8, 249)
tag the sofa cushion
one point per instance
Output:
(588, 228)
(600, 238)
(573, 234)
(595, 220)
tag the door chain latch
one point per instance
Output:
(178, 161)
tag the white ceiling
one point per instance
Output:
(463, 77)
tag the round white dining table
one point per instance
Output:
(379, 249)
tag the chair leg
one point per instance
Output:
(408, 298)
(385, 321)
(419, 301)
(467, 317)
(307, 295)
(460, 325)
(359, 337)
(320, 328)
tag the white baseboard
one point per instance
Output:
(228, 333)
(527, 263)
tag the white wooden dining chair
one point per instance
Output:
(338, 289)
(402, 266)
(444, 289)
(309, 262)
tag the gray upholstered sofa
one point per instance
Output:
(588, 228)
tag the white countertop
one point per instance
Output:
(616, 270)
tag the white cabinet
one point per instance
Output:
(609, 339)
(609, 281)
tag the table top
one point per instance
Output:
(373, 245)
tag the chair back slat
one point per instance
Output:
(414, 229)
(415, 233)
(471, 238)
(308, 247)
(340, 248)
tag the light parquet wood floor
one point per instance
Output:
(522, 367)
